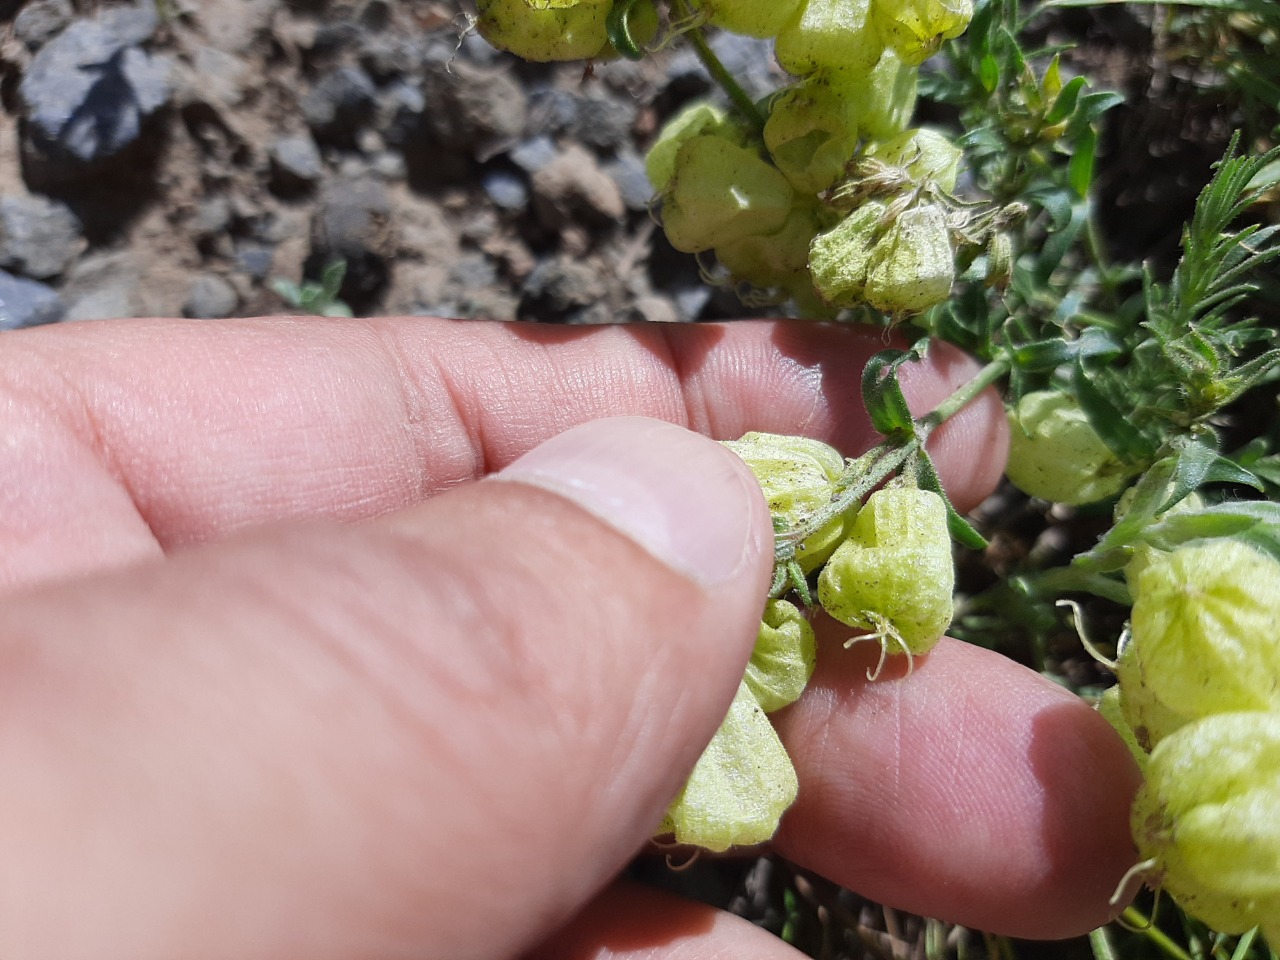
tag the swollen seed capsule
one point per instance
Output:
(720, 192)
(660, 162)
(740, 787)
(798, 478)
(1208, 817)
(836, 34)
(779, 259)
(884, 99)
(545, 30)
(755, 18)
(840, 258)
(1205, 636)
(913, 267)
(929, 156)
(915, 29)
(782, 661)
(894, 574)
(1055, 453)
(811, 133)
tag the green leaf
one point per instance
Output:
(962, 532)
(1065, 103)
(1080, 169)
(1199, 464)
(882, 394)
(1111, 423)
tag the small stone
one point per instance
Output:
(628, 172)
(27, 303)
(354, 223)
(213, 217)
(561, 286)
(211, 296)
(506, 190)
(340, 103)
(573, 186)
(533, 154)
(254, 259)
(604, 124)
(39, 237)
(40, 21)
(103, 286)
(295, 164)
(477, 110)
(221, 75)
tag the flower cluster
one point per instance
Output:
(885, 568)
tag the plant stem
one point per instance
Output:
(741, 99)
(949, 407)
(1153, 933)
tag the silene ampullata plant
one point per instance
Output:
(827, 199)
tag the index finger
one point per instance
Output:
(140, 436)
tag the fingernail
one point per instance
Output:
(682, 497)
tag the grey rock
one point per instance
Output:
(386, 57)
(131, 24)
(255, 260)
(27, 303)
(354, 223)
(295, 163)
(42, 20)
(553, 110)
(211, 296)
(88, 91)
(533, 154)
(506, 190)
(39, 237)
(341, 101)
(103, 286)
(628, 172)
(604, 123)
(213, 216)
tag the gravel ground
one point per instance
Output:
(177, 158)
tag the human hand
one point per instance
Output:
(278, 680)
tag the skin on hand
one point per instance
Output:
(266, 661)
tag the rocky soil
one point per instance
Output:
(181, 157)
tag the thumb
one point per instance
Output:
(435, 734)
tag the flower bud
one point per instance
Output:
(1208, 815)
(782, 661)
(798, 477)
(1055, 453)
(1204, 637)
(894, 575)
(913, 267)
(720, 192)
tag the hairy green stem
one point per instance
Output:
(949, 407)
(741, 99)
